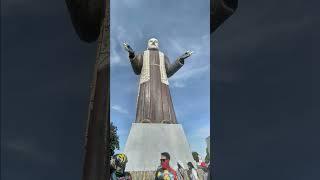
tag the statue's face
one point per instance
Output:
(153, 43)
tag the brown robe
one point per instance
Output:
(154, 103)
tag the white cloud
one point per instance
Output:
(119, 56)
(121, 33)
(119, 109)
(197, 64)
(203, 132)
(176, 45)
(115, 56)
(190, 73)
(200, 45)
(178, 84)
(180, 79)
(197, 137)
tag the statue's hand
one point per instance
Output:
(128, 48)
(185, 55)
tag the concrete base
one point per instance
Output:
(146, 142)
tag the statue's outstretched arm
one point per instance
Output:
(174, 67)
(87, 17)
(136, 60)
(136, 63)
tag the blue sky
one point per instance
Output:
(266, 86)
(179, 26)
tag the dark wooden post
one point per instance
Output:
(90, 19)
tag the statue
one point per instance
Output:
(90, 19)
(154, 103)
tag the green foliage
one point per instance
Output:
(114, 139)
(207, 158)
(195, 156)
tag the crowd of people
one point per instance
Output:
(164, 172)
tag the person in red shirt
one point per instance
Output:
(165, 172)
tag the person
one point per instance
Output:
(181, 172)
(201, 163)
(200, 171)
(201, 168)
(205, 170)
(117, 167)
(164, 171)
(192, 173)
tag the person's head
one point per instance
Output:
(190, 165)
(118, 163)
(165, 155)
(195, 156)
(153, 43)
(164, 160)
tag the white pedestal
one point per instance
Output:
(146, 142)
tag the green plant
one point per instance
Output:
(114, 139)
(207, 158)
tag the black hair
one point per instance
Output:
(167, 155)
(190, 165)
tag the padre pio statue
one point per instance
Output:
(154, 103)
(91, 21)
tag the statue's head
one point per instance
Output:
(153, 43)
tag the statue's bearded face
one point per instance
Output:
(153, 43)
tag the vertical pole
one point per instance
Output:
(96, 160)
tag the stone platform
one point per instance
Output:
(146, 142)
